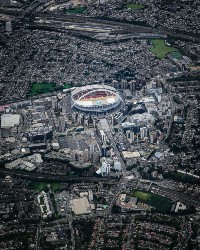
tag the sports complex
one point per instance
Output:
(95, 98)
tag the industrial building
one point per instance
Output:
(10, 120)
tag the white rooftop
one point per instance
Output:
(104, 124)
(10, 120)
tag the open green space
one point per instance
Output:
(159, 202)
(135, 6)
(176, 54)
(160, 49)
(66, 86)
(76, 10)
(42, 88)
(141, 195)
(43, 186)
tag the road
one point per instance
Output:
(38, 237)
(72, 231)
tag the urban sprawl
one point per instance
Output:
(99, 125)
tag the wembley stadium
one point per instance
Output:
(95, 98)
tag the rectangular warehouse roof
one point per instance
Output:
(128, 154)
(10, 120)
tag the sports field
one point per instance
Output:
(42, 88)
(135, 6)
(160, 49)
(160, 203)
(142, 195)
(76, 10)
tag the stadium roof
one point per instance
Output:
(90, 87)
(100, 101)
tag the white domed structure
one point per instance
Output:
(95, 98)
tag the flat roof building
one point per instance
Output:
(128, 154)
(10, 120)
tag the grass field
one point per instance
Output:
(160, 203)
(142, 195)
(43, 186)
(66, 86)
(41, 88)
(76, 10)
(135, 6)
(160, 49)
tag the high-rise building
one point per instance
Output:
(132, 85)
(8, 26)
(143, 132)
(90, 195)
(86, 122)
(74, 117)
(61, 124)
(94, 122)
(115, 84)
(54, 103)
(80, 119)
(103, 136)
(124, 84)
(121, 138)
(112, 120)
(105, 168)
(153, 136)
(91, 148)
(104, 151)
(128, 132)
(132, 136)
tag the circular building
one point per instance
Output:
(95, 98)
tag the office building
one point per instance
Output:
(54, 103)
(132, 85)
(61, 125)
(8, 26)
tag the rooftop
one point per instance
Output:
(10, 120)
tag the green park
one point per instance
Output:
(42, 88)
(160, 49)
(160, 203)
(135, 6)
(76, 10)
(44, 186)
